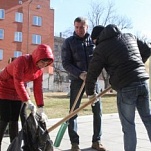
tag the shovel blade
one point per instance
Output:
(60, 134)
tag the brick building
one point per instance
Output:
(23, 25)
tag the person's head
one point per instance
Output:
(42, 56)
(11, 59)
(80, 26)
(96, 32)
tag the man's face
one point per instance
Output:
(80, 29)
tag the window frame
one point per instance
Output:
(36, 39)
(1, 54)
(1, 33)
(18, 37)
(37, 21)
(2, 14)
(17, 53)
(19, 17)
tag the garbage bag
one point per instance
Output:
(32, 137)
(17, 143)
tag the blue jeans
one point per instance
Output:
(72, 127)
(135, 96)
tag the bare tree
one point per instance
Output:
(142, 37)
(101, 14)
(68, 32)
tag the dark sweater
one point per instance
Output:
(120, 55)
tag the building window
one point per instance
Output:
(19, 17)
(1, 54)
(17, 53)
(36, 39)
(1, 33)
(18, 36)
(2, 13)
(37, 20)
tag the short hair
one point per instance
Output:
(81, 19)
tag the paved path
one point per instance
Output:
(112, 137)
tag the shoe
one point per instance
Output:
(75, 147)
(98, 146)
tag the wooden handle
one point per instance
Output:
(77, 98)
(78, 109)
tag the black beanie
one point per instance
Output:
(96, 31)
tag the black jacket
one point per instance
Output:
(76, 54)
(119, 54)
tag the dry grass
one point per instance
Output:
(57, 105)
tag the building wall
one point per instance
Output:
(29, 8)
(61, 79)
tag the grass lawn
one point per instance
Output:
(57, 104)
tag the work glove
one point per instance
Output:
(90, 97)
(30, 106)
(40, 115)
(83, 75)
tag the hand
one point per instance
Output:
(83, 75)
(92, 97)
(30, 106)
(40, 115)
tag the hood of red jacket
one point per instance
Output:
(43, 51)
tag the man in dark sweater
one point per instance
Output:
(77, 52)
(123, 56)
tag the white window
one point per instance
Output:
(37, 20)
(19, 17)
(2, 13)
(36, 39)
(17, 53)
(1, 54)
(1, 33)
(18, 36)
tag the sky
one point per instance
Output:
(138, 11)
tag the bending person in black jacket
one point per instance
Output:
(77, 51)
(123, 57)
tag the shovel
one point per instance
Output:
(76, 111)
(64, 125)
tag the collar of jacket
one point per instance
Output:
(83, 38)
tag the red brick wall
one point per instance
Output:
(29, 9)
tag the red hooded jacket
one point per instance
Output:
(23, 69)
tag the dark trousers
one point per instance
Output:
(9, 114)
(9, 110)
(96, 109)
(23, 114)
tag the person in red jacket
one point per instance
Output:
(13, 91)
(23, 113)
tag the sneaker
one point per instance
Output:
(75, 147)
(98, 146)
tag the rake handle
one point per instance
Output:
(78, 109)
(77, 98)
